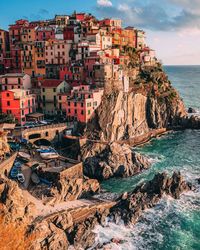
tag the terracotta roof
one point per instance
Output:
(51, 83)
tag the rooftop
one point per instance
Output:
(51, 83)
(13, 75)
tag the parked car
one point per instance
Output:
(44, 122)
(21, 178)
(30, 124)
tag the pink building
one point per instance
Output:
(57, 52)
(81, 102)
(45, 33)
(19, 103)
(15, 81)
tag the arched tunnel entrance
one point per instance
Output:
(34, 136)
(42, 142)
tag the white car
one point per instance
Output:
(44, 122)
(21, 178)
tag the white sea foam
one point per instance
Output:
(142, 235)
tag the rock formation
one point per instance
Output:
(75, 226)
(131, 205)
(151, 103)
(103, 161)
(14, 205)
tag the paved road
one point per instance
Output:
(26, 171)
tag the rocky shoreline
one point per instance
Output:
(74, 227)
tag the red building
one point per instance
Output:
(19, 103)
(81, 102)
(15, 32)
(4, 50)
(68, 33)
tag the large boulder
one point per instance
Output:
(113, 160)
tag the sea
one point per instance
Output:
(171, 224)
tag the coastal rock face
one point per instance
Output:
(73, 189)
(151, 103)
(66, 190)
(192, 122)
(62, 230)
(14, 205)
(113, 160)
(131, 205)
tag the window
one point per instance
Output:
(75, 111)
(7, 94)
(68, 103)
(6, 80)
(95, 103)
(59, 97)
(88, 112)
(69, 111)
(8, 103)
(54, 90)
(82, 112)
(75, 104)
(82, 104)
(43, 90)
(22, 112)
(89, 104)
(54, 99)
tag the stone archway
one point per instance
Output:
(34, 136)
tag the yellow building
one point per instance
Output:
(50, 88)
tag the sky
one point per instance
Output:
(172, 26)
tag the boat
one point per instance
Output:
(45, 149)
(21, 178)
(35, 179)
(24, 155)
(16, 169)
(49, 155)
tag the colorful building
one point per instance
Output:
(19, 103)
(57, 52)
(50, 88)
(15, 81)
(4, 48)
(81, 103)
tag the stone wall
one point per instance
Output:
(73, 172)
(7, 164)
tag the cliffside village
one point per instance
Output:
(58, 70)
(61, 66)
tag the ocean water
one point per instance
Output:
(172, 224)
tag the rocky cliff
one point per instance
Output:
(131, 205)
(103, 161)
(150, 103)
(24, 229)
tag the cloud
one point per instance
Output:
(154, 15)
(43, 12)
(104, 3)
